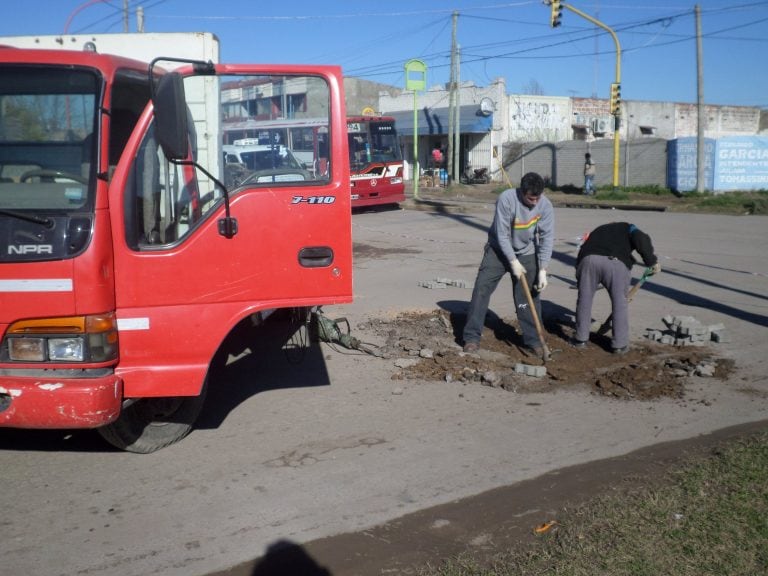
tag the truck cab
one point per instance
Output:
(125, 259)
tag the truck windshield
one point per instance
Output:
(47, 118)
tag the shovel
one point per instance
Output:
(544, 348)
(605, 326)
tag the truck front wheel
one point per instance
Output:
(153, 423)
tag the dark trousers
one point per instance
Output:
(492, 268)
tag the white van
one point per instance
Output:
(248, 163)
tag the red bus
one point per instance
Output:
(375, 159)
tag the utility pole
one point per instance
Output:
(452, 99)
(457, 121)
(702, 118)
(125, 16)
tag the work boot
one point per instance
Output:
(471, 347)
(533, 350)
(581, 344)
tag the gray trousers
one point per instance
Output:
(492, 269)
(612, 273)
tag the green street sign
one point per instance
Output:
(415, 75)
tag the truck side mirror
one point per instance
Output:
(171, 116)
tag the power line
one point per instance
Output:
(115, 18)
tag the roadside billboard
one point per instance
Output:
(681, 164)
(741, 163)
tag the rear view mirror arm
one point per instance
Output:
(227, 225)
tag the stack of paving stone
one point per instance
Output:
(528, 370)
(438, 283)
(687, 331)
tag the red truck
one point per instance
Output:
(125, 262)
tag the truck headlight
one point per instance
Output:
(65, 349)
(26, 349)
(67, 339)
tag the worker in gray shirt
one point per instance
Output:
(519, 242)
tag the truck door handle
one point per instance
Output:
(316, 256)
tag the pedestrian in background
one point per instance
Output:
(520, 242)
(589, 175)
(437, 157)
(605, 258)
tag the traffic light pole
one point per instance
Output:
(556, 7)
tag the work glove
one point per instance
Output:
(541, 281)
(655, 269)
(517, 269)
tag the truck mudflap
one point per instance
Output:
(59, 403)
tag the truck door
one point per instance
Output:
(181, 283)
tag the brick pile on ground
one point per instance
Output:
(439, 283)
(528, 370)
(687, 331)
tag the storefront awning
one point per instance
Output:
(434, 121)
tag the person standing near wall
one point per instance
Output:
(437, 157)
(589, 175)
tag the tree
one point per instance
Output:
(533, 87)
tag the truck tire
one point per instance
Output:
(153, 423)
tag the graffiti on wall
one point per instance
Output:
(539, 119)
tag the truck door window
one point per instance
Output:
(274, 131)
(162, 199)
(252, 143)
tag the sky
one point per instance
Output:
(374, 39)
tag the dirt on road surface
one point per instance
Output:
(426, 345)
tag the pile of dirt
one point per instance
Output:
(425, 346)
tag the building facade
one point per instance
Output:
(520, 121)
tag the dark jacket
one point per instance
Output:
(618, 240)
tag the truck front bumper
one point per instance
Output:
(29, 402)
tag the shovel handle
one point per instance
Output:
(535, 315)
(639, 283)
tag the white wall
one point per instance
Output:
(546, 118)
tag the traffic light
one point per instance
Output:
(557, 11)
(615, 98)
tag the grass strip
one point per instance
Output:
(708, 517)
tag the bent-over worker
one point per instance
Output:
(606, 258)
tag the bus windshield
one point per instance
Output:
(371, 140)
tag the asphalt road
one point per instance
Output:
(295, 447)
